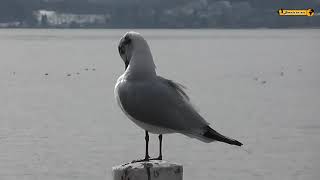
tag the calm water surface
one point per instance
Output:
(59, 119)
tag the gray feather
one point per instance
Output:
(179, 88)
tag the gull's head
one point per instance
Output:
(131, 43)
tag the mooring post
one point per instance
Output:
(149, 170)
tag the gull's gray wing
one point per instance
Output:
(177, 87)
(160, 102)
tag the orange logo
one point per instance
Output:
(296, 12)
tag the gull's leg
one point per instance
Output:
(160, 149)
(147, 157)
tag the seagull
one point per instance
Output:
(156, 104)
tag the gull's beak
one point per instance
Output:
(126, 64)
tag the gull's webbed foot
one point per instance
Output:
(158, 158)
(147, 158)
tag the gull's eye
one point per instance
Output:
(124, 44)
(127, 40)
(121, 49)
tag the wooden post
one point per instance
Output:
(149, 170)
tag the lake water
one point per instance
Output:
(59, 119)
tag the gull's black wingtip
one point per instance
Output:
(237, 143)
(215, 136)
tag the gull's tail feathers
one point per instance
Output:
(209, 135)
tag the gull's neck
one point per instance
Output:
(141, 65)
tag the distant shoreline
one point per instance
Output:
(164, 28)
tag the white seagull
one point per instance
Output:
(156, 104)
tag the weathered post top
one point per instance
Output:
(149, 170)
